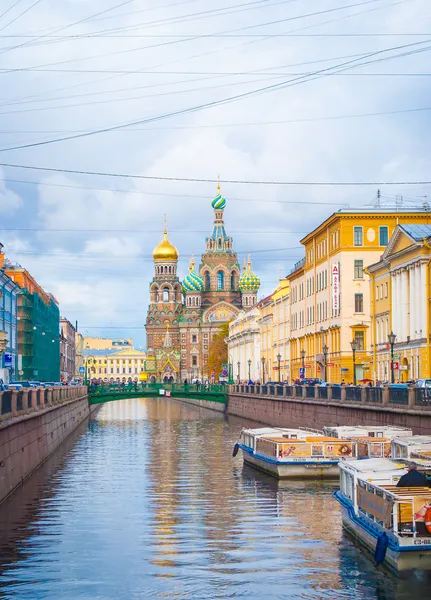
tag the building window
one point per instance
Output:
(194, 339)
(384, 236)
(165, 295)
(194, 361)
(359, 303)
(357, 236)
(232, 280)
(386, 289)
(360, 340)
(220, 280)
(207, 281)
(358, 269)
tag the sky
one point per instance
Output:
(165, 91)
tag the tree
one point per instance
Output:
(218, 355)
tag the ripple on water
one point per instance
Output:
(147, 502)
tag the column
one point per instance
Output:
(404, 308)
(417, 300)
(394, 305)
(412, 306)
(423, 300)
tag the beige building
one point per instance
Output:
(330, 301)
(122, 363)
(79, 354)
(265, 322)
(98, 343)
(400, 305)
(281, 332)
(244, 346)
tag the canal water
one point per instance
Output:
(146, 501)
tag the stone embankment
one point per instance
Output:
(315, 406)
(33, 424)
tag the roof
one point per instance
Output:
(417, 232)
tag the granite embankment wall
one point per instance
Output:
(211, 404)
(33, 424)
(292, 412)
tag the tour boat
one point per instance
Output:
(392, 522)
(295, 453)
(372, 441)
(405, 447)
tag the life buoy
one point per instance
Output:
(428, 520)
(345, 450)
(235, 450)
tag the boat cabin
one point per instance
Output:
(250, 436)
(366, 431)
(404, 447)
(315, 447)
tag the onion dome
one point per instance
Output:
(165, 250)
(249, 282)
(193, 282)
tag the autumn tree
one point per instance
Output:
(218, 355)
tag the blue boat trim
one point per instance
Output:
(374, 531)
(293, 462)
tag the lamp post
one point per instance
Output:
(303, 362)
(249, 368)
(239, 366)
(391, 338)
(279, 361)
(263, 369)
(88, 362)
(354, 346)
(325, 358)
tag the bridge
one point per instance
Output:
(108, 393)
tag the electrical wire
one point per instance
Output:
(20, 15)
(270, 88)
(203, 180)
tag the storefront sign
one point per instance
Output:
(382, 346)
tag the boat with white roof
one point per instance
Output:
(393, 522)
(372, 441)
(405, 447)
(293, 453)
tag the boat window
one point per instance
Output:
(379, 434)
(361, 484)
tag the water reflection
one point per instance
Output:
(147, 502)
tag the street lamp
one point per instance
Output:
(263, 369)
(391, 338)
(239, 365)
(279, 361)
(88, 362)
(354, 346)
(249, 367)
(325, 358)
(303, 362)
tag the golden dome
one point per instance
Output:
(165, 250)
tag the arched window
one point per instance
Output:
(220, 280)
(219, 243)
(232, 280)
(165, 295)
(207, 281)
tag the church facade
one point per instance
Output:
(183, 317)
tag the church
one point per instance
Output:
(183, 317)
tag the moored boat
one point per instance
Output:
(294, 453)
(372, 441)
(406, 447)
(392, 522)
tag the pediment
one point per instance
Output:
(222, 312)
(400, 240)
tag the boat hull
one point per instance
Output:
(292, 470)
(401, 559)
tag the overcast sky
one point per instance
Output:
(74, 66)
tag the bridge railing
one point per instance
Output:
(409, 397)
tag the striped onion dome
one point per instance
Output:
(219, 202)
(193, 282)
(249, 282)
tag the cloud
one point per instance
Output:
(92, 247)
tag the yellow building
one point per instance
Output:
(400, 303)
(330, 302)
(281, 332)
(115, 363)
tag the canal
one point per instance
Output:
(146, 501)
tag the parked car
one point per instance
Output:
(328, 383)
(423, 383)
(35, 384)
(14, 386)
(311, 381)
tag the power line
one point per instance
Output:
(20, 15)
(203, 180)
(289, 83)
(10, 8)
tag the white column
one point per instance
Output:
(423, 300)
(405, 301)
(417, 299)
(412, 307)
(394, 304)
